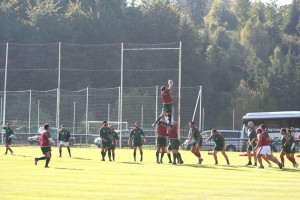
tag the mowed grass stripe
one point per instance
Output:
(84, 177)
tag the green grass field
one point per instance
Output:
(84, 177)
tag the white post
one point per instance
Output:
(203, 120)
(198, 97)
(179, 91)
(86, 111)
(156, 103)
(29, 117)
(5, 84)
(233, 119)
(108, 112)
(58, 86)
(1, 108)
(38, 115)
(119, 103)
(200, 108)
(74, 118)
(142, 117)
(121, 92)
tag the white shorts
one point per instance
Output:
(64, 144)
(264, 150)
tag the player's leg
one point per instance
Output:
(169, 152)
(109, 154)
(249, 154)
(174, 152)
(198, 154)
(288, 155)
(48, 158)
(69, 150)
(225, 156)
(40, 158)
(163, 149)
(282, 154)
(60, 149)
(113, 153)
(267, 160)
(215, 157)
(158, 148)
(103, 152)
(274, 159)
(259, 157)
(134, 153)
(255, 158)
(141, 152)
(163, 113)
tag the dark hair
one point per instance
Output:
(191, 122)
(259, 130)
(290, 131)
(263, 126)
(214, 130)
(46, 126)
(163, 88)
(104, 122)
(283, 129)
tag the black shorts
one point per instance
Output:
(8, 141)
(161, 141)
(113, 146)
(45, 149)
(106, 144)
(218, 148)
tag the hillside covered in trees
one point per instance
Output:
(244, 53)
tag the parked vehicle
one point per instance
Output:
(35, 140)
(235, 141)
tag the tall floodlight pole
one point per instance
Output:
(121, 91)
(38, 114)
(179, 90)
(29, 117)
(58, 86)
(5, 84)
(108, 112)
(200, 109)
(74, 118)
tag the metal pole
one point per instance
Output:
(156, 103)
(179, 90)
(119, 102)
(200, 108)
(86, 113)
(233, 119)
(5, 84)
(1, 108)
(196, 105)
(74, 118)
(58, 85)
(142, 117)
(29, 117)
(38, 113)
(121, 92)
(203, 120)
(108, 112)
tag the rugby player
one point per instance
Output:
(136, 135)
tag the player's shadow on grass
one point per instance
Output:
(289, 170)
(223, 167)
(23, 156)
(81, 158)
(131, 163)
(64, 168)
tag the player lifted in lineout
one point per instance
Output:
(167, 102)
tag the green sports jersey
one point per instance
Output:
(8, 132)
(283, 140)
(194, 132)
(251, 134)
(292, 140)
(218, 139)
(64, 135)
(114, 136)
(105, 133)
(136, 134)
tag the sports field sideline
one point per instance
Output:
(84, 177)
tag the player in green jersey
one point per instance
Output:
(105, 135)
(197, 140)
(292, 143)
(286, 148)
(136, 135)
(63, 137)
(220, 145)
(115, 138)
(9, 133)
(251, 143)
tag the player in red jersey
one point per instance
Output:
(161, 139)
(174, 143)
(45, 141)
(167, 102)
(263, 148)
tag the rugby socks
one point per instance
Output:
(157, 156)
(41, 158)
(113, 154)
(292, 160)
(161, 156)
(47, 162)
(170, 118)
(134, 156)
(169, 156)
(141, 152)
(69, 150)
(227, 162)
(174, 158)
(109, 155)
(60, 152)
(282, 161)
(179, 157)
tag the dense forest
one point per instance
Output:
(244, 53)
